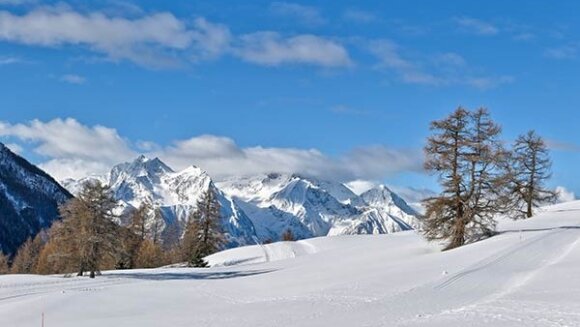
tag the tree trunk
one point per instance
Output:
(458, 233)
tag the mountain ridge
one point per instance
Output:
(257, 208)
(29, 200)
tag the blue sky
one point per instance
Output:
(343, 90)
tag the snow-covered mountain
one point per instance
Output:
(174, 193)
(29, 200)
(310, 207)
(258, 208)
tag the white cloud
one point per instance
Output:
(477, 26)
(74, 150)
(9, 60)
(359, 16)
(360, 186)
(211, 40)
(141, 40)
(306, 14)
(271, 49)
(489, 82)
(450, 58)
(564, 195)
(75, 168)
(160, 40)
(71, 147)
(73, 79)
(16, 2)
(389, 56)
(348, 110)
(378, 161)
(569, 51)
(433, 70)
(221, 157)
(524, 36)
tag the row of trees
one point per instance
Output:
(87, 239)
(480, 178)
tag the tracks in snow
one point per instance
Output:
(16, 289)
(489, 279)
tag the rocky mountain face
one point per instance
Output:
(174, 193)
(29, 200)
(310, 207)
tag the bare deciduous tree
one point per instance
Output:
(467, 156)
(26, 259)
(88, 228)
(4, 267)
(530, 168)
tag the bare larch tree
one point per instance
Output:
(466, 155)
(530, 168)
(88, 225)
(203, 235)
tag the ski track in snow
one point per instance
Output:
(491, 278)
(58, 285)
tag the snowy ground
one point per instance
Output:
(529, 275)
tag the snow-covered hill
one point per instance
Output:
(259, 208)
(175, 193)
(29, 200)
(528, 275)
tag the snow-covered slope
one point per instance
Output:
(528, 275)
(175, 193)
(29, 200)
(310, 207)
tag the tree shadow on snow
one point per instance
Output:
(238, 262)
(197, 274)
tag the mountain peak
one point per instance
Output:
(378, 194)
(192, 170)
(154, 165)
(383, 196)
(141, 158)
